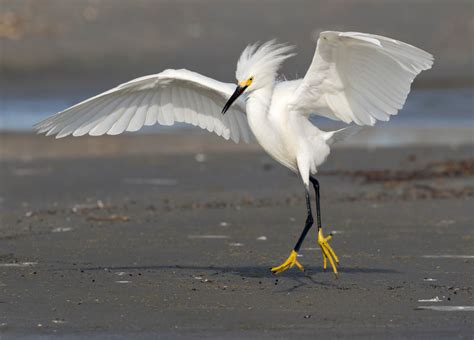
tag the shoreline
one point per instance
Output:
(29, 146)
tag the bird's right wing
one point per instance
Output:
(358, 77)
(164, 98)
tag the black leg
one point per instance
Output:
(328, 252)
(318, 207)
(308, 223)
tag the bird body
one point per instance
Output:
(283, 134)
(354, 78)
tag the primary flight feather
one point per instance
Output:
(354, 77)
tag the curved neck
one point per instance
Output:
(259, 101)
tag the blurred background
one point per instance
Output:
(54, 53)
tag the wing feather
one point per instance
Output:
(109, 120)
(122, 122)
(189, 107)
(207, 118)
(177, 106)
(152, 112)
(202, 120)
(167, 107)
(165, 98)
(90, 119)
(359, 77)
(71, 120)
(139, 117)
(59, 121)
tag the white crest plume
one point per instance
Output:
(262, 62)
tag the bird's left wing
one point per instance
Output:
(164, 98)
(358, 77)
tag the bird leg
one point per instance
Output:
(323, 242)
(327, 251)
(291, 261)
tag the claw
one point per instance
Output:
(290, 262)
(328, 256)
(328, 252)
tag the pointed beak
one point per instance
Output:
(238, 91)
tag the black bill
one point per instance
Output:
(238, 91)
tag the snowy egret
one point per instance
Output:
(354, 77)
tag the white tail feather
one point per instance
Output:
(332, 137)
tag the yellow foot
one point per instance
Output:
(289, 263)
(327, 251)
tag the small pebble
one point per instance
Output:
(200, 157)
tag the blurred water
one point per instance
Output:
(446, 111)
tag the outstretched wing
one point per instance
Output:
(163, 98)
(358, 77)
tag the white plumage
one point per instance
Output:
(164, 98)
(360, 78)
(354, 77)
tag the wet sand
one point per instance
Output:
(173, 236)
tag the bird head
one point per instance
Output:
(257, 67)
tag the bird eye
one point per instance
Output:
(251, 78)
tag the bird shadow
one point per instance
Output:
(245, 271)
(311, 277)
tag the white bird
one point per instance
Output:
(354, 77)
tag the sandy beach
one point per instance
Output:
(171, 236)
(170, 232)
